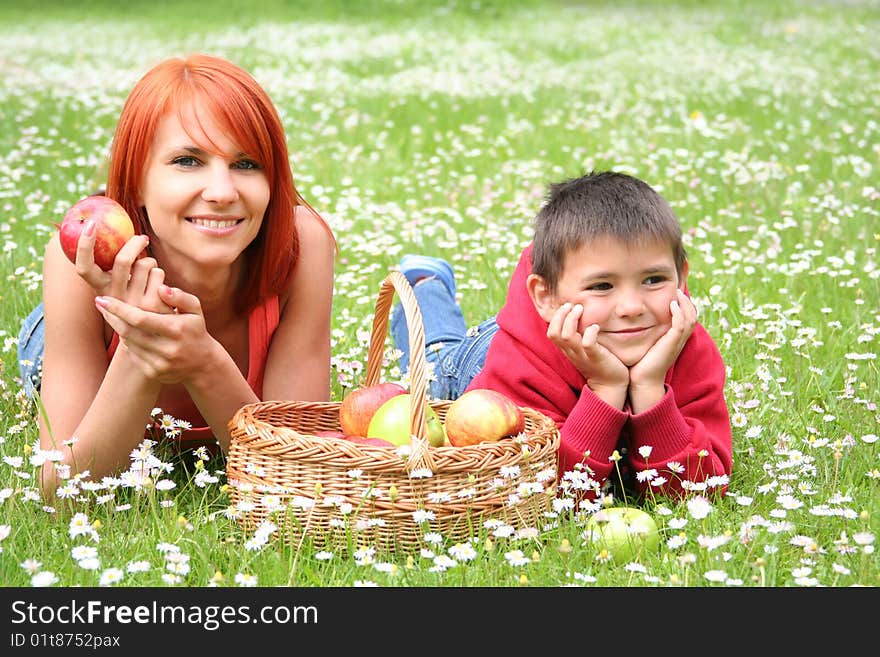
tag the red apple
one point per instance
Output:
(113, 228)
(361, 440)
(481, 415)
(392, 422)
(358, 406)
(330, 433)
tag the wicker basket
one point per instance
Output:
(345, 495)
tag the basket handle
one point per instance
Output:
(419, 457)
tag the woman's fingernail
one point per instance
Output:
(101, 302)
(89, 228)
(166, 289)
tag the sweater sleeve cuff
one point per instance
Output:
(593, 426)
(662, 427)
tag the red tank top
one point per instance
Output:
(262, 322)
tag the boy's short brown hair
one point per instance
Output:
(601, 204)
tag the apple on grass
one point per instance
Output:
(481, 415)
(392, 422)
(113, 228)
(625, 532)
(358, 406)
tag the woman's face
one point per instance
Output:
(202, 206)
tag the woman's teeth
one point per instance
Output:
(210, 223)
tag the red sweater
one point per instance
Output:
(690, 426)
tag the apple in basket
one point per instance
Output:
(625, 532)
(392, 423)
(361, 440)
(480, 416)
(113, 228)
(330, 433)
(359, 406)
(378, 442)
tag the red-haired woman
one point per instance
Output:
(223, 297)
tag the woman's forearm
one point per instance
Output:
(112, 427)
(219, 389)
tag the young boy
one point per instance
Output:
(597, 333)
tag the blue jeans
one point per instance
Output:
(31, 343)
(457, 353)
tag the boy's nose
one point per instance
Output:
(630, 303)
(220, 187)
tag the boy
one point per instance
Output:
(597, 333)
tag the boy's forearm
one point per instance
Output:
(644, 397)
(614, 396)
(590, 432)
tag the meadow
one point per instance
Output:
(435, 127)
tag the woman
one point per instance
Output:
(222, 298)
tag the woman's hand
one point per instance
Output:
(134, 277)
(168, 347)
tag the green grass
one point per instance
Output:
(436, 126)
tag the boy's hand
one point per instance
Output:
(646, 377)
(606, 375)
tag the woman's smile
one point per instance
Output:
(214, 225)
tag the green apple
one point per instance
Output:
(358, 406)
(391, 422)
(625, 532)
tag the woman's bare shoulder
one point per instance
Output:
(317, 253)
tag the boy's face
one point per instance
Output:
(626, 290)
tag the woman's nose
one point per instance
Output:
(220, 186)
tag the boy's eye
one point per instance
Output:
(599, 287)
(655, 280)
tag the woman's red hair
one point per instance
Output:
(241, 107)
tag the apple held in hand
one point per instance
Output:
(359, 406)
(392, 423)
(113, 228)
(625, 532)
(481, 415)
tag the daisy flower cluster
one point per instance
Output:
(760, 131)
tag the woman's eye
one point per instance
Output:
(185, 161)
(247, 165)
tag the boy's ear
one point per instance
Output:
(542, 298)
(682, 280)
